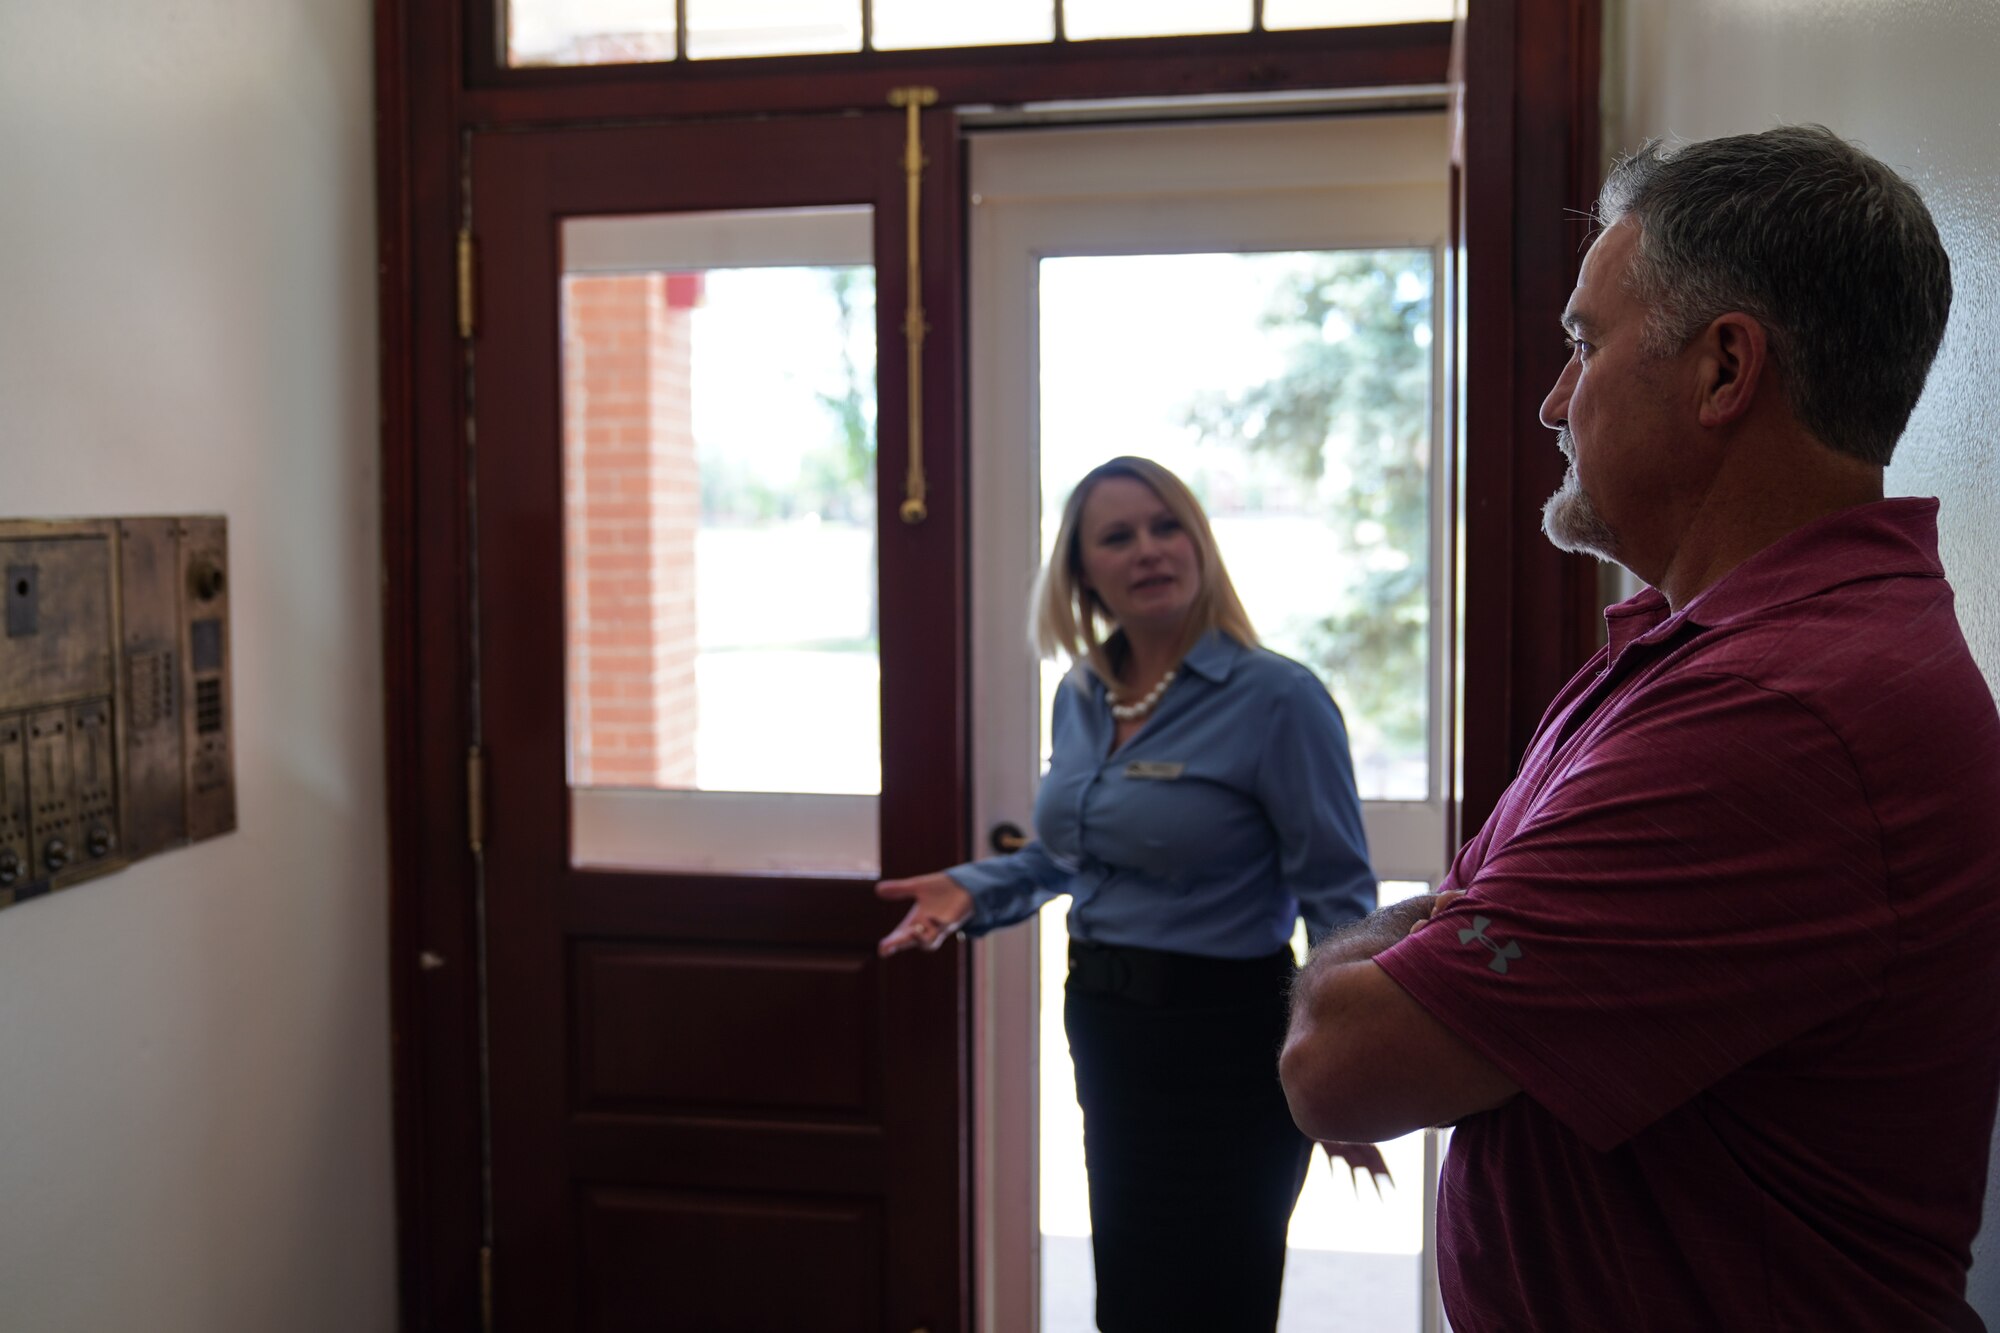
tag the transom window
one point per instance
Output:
(623, 32)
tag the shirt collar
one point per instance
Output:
(1882, 539)
(1214, 656)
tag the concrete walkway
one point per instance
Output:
(1326, 1291)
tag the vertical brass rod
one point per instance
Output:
(467, 297)
(914, 509)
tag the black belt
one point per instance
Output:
(1158, 976)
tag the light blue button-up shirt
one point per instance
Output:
(1221, 821)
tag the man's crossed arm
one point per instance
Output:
(1363, 1061)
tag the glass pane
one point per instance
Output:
(1153, 18)
(902, 24)
(1354, 1252)
(1281, 14)
(1293, 393)
(589, 32)
(615, 32)
(719, 29)
(719, 503)
(1353, 1257)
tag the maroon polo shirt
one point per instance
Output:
(1735, 931)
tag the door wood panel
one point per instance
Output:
(700, 1081)
(673, 1261)
(674, 1028)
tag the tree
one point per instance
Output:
(845, 472)
(848, 469)
(1349, 416)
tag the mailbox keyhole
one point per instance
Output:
(23, 601)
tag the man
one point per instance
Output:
(1714, 996)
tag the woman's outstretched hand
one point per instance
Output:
(937, 908)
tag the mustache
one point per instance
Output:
(1566, 442)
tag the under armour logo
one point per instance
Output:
(1501, 952)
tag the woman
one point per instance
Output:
(1199, 797)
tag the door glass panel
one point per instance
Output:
(902, 24)
(1292, 392)
(1228, 299)
(1153, 18)
(720, 29)
(718, 385)
(1354, 1255)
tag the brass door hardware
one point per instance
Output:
(1006, 837)
(468, 299)
(914, 509)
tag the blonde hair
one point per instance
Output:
(1072, 620)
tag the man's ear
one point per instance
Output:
(1734, 363)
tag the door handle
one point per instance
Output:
(1005, 837)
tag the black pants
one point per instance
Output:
(1193, 1161)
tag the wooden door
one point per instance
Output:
(711, 1107)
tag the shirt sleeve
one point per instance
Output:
(1010, 889)
(1305, 781)
(1702, 885)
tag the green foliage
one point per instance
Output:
(849, 467)
(845, 469)
(1349, 416)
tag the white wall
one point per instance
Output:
(1914, 82)
(194, 1103)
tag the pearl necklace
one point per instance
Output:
(1141, 707)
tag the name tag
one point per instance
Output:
(1155, 769)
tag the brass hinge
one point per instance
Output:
(486, 1288)
(475, 799)
(468, 302)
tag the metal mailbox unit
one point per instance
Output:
(116, 738)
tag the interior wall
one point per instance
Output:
(1912, 80)
(194, 1102)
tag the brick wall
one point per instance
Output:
(632, 504)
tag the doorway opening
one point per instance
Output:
(1252, 304)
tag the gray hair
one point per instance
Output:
(1827, 248)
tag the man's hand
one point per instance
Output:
(1363, 1160)
(1438, 902)
(1363, 939)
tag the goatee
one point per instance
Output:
(1570, 520)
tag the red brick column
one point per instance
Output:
(632, 504)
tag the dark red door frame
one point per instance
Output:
(1531, 159)
(1530, 167)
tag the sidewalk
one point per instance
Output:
(1326, 1291)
